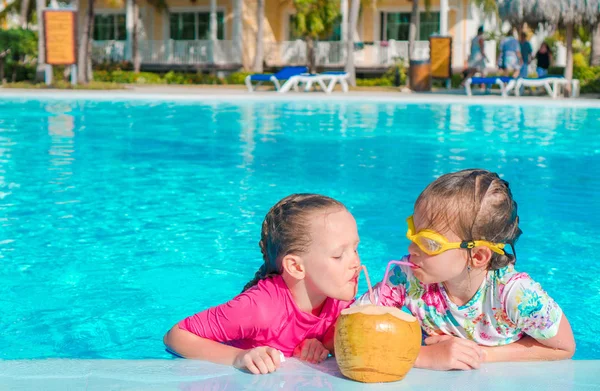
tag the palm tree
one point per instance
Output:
(412, 31)
(160, 6)
(135, 43)
(352, 23)
(40, 5)
(24, 13)
(22, 8)
(84, 58)
(595, 52)
(314, 20)
(258, 56)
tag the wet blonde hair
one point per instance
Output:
(476, 205)
(286, 230)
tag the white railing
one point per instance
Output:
(171, 52)
(285, 53)
(277, 54)
(369, 55)
(108, 51)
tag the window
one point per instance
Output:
(336, 34)
(109, 27)
(195, 25)
(395, 25)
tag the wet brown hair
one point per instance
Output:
(476, 205)
(286, 230)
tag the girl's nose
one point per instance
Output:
(355, 261)
(413, 249)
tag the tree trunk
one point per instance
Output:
(85, 46)
(310, 52)
(417, 24)
(1, 70)
(90, 39)
(412, 32)
(24, 13)
(258, 56)
(352, 22)
(569, 66)
(40, 5)
(237, 31)
(595, 52)
(135, 47)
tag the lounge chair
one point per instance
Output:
(326, 80)
(552, 84)
(283, 74)
(504, 82)
(337, 77)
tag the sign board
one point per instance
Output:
(440, 49)
(60, 37)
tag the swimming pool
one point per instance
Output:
(119, 218)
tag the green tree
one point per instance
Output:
(314, 20)
(17, 45)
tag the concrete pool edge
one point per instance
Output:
(210, 94)
(177, 374)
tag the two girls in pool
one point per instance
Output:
(462, 286)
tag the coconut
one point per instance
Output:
(376, 344)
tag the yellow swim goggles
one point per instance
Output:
(433, 243)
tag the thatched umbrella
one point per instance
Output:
(564, 13)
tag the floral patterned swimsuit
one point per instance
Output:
(507, 306)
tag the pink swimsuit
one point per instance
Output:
(264, 315)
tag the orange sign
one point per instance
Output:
(440, 49)
(60, 34)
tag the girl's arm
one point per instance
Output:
(260, 360)
(189, 345)
(559, 347)
(328, 339)
(204, 335)
(548, 334)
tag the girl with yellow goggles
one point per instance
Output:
(433, 243)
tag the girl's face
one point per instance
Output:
(430, 269)
(543, 48)
(332, 262)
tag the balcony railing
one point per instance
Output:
(381, 54)
(171, 52)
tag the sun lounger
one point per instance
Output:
(276, 78)
(552, 85)
(325, 80)
(505, 83)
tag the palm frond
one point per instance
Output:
(488, 7)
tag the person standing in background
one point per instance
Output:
(526, 54)
(544, 59)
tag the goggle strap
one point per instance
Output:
(471, 244)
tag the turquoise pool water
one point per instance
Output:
(119, 218)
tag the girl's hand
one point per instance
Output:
(311, 350)
(446, 352)
(260, 360)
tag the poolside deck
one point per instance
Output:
(239, 93)
(63, 375)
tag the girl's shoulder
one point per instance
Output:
(506, 281)
(506, 274)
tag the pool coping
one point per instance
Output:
(178, 374)
(219, 95)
